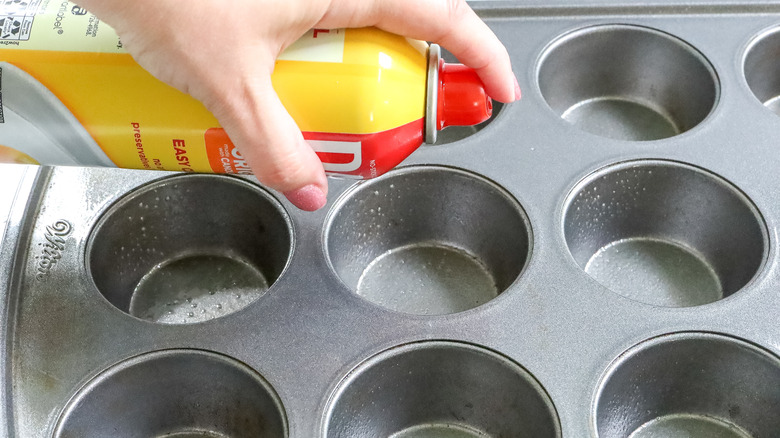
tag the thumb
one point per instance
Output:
(261, 128)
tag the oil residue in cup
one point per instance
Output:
(656, 272)
(438, 431)
(196, 288)
(688, 425)
(427, 279)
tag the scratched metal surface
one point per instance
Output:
(601, 255)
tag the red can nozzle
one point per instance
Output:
(462, 100)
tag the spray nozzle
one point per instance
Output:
(462, 100)
(455, 96)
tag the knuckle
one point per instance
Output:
(454, 9)
(282, 173)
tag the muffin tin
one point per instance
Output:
(597, 260)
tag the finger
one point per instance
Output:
(259, 125)
(451, 23)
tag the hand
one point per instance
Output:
(223, 53)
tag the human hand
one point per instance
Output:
(223, 54)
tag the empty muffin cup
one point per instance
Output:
(664, 233)
(175, 393)
(189, 248)
(627, 82)
(440, 389)
(760, 68)
(696, 385)
(428, 240)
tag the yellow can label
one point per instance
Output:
(346, 81)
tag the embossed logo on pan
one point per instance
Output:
(53, 248)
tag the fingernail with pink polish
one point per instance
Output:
(517, 90)
(308, 198)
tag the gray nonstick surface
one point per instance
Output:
(597, 260)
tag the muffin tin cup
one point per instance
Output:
(176, 393)
(690, 384)
(440, 388)
(664, 233)
(760, 68)
(189, 249)
(627, 82)
(420, 240)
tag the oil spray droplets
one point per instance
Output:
(195, 289)
(428, 278)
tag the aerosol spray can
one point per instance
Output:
(364, 99)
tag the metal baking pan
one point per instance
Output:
(597, 260)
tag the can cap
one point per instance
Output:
(462, 100)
